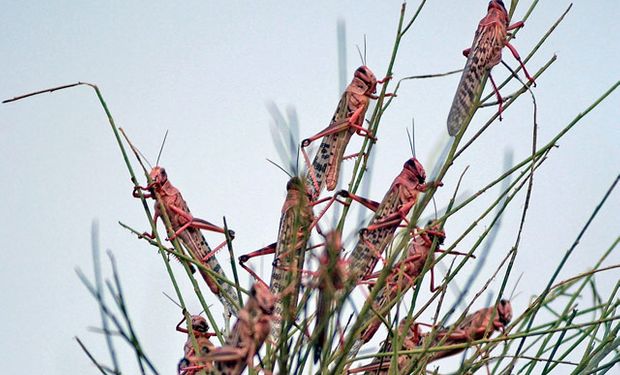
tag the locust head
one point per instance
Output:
(297, 195)
(158, 176)
(365, 79)
(296, 184)
(504, 311)
(199, 324)
(497, 11)
(415, 171)
(263, 297)
(434, 231)
(497, 4)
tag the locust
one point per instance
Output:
(397, 202)
(192, 361)
(248, 334)
(347, 120)
(331, 278)
(485, 52)
(187, 228)
(476, 326)
(296, 222)
(403, 275)
(381, 365)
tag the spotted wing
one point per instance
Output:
(483, 55)
(331, 149)
(290, 253)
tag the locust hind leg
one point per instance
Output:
(518, 58)
(500, 100)
(196, 223)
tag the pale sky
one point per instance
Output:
(204, 71)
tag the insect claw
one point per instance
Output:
(231, 234)
(146, 235)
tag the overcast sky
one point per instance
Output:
(205, 71)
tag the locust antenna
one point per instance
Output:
(145, 159)
(342, 55)
(297, 161)
(162, 147)
(279, 167)
(411, 137)
(172, 299)
(359, 52)
(365, 49)
(136, 152)
(515, 287)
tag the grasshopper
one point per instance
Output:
(187, 228)
(476, 326)
(347, 120)
(192, 361)
(381, 365)
(403, 275)
(296, 222)
(250, 331)
(400, 198)
(485, 52)
(332, 275)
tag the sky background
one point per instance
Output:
(205, 71)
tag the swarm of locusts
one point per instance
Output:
(295, 320)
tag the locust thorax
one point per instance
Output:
(504, 311)
(365, 79)
(263, 298)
